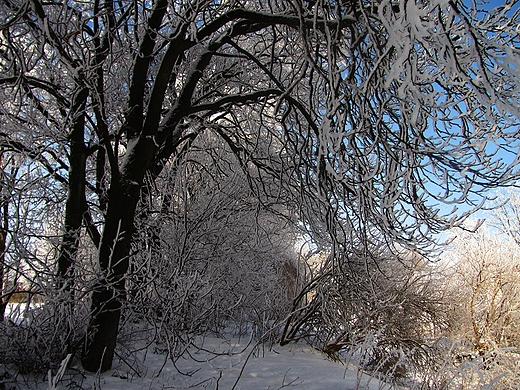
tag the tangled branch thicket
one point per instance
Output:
(160, 160)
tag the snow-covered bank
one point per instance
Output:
(224, 364)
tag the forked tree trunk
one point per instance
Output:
(114, 249)
(109, 292)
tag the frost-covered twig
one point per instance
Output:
(53, 382)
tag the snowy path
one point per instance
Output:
(288, 367)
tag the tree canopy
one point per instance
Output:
(354, 119)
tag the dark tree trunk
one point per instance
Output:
(74, 210)
(109, 292)
(74, 206)
(144, 137)
(3, 303)
(4, 212)
(103, 327)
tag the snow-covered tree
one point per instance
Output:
(374, 112)
(483, 281)
(487, 275)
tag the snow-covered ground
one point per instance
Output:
(227, 364)
(214, 363)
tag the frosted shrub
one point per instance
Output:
(34, 338)
(384, 314)
(213, 259)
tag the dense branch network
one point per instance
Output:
(366, 115)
